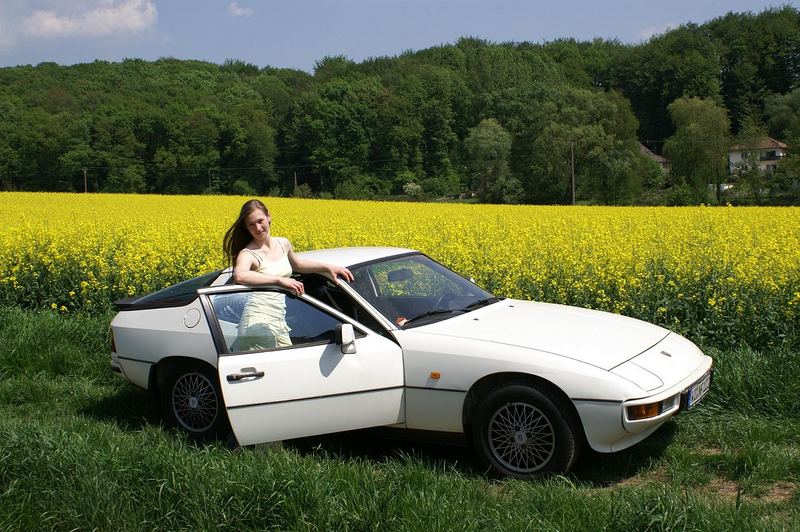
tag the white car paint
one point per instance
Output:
(145, 337)
(596, 338)
(601, 362)
(318, 381)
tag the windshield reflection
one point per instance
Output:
(414, 290)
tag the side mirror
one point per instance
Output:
(346, 338)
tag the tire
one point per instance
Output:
(521, 431)
(191, 401)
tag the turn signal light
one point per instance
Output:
(435, 375)
(644, 411)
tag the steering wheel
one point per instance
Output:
(444, 301)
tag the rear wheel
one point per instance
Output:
(521, 431)
(192, 402)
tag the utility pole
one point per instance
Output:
(85, 186)
(572, 159)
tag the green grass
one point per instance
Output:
(82, 449)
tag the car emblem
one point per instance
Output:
(666, 354)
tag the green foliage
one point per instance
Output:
(413, 190)
(681, 195)
(193, 127)
(241, 187)
(782, 113)
(488, 147)
(759, 57)
(302, 191)
(570, 130)
(748, 172)
(681, 62)
(698, 150)
(354, 185)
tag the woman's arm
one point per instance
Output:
(302, 265)
(244, 273)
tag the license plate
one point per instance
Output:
(698, 390)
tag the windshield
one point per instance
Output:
(414, 290)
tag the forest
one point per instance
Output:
(500, 122)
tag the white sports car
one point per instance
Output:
(411, 345)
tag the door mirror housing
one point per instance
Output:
(346, 338)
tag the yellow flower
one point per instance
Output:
(624, 259)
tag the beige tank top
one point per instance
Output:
(268, 307)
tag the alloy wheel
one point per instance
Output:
(521, 437)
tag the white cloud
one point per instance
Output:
(101, 19)
(238, 10)
(651, 31)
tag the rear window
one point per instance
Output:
(176, 295)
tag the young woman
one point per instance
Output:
(260, 259)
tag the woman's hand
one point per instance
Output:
(340, 271)
(292, 285)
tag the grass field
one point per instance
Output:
(81, 449)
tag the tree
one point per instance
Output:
(129, 178)
(681, 62)
(752, 134)
(341, 124)
(760, 54)
(412, 190)
(488, 146)
(698, 151)
(782, 112)
(558, 128)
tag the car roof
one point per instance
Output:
(347, 257)
(183, 293)
(353, 256)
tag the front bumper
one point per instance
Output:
(606, 423)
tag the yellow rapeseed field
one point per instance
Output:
(721, 273)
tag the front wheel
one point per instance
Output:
(191, 401)
(523, 432)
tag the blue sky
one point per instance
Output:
(297, 33)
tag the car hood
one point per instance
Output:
(598, 338)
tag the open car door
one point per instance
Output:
(313, 386)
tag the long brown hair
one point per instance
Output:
(237, 237)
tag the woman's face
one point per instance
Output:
(257, 223)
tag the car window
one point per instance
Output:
(333, 295)
(269, 319)
(176, 295)
(412, 290)
(411, 278)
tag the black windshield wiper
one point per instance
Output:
(482, 302)
(433, 313)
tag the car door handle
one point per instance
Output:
(233, 377)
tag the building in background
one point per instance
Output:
(769, 152)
